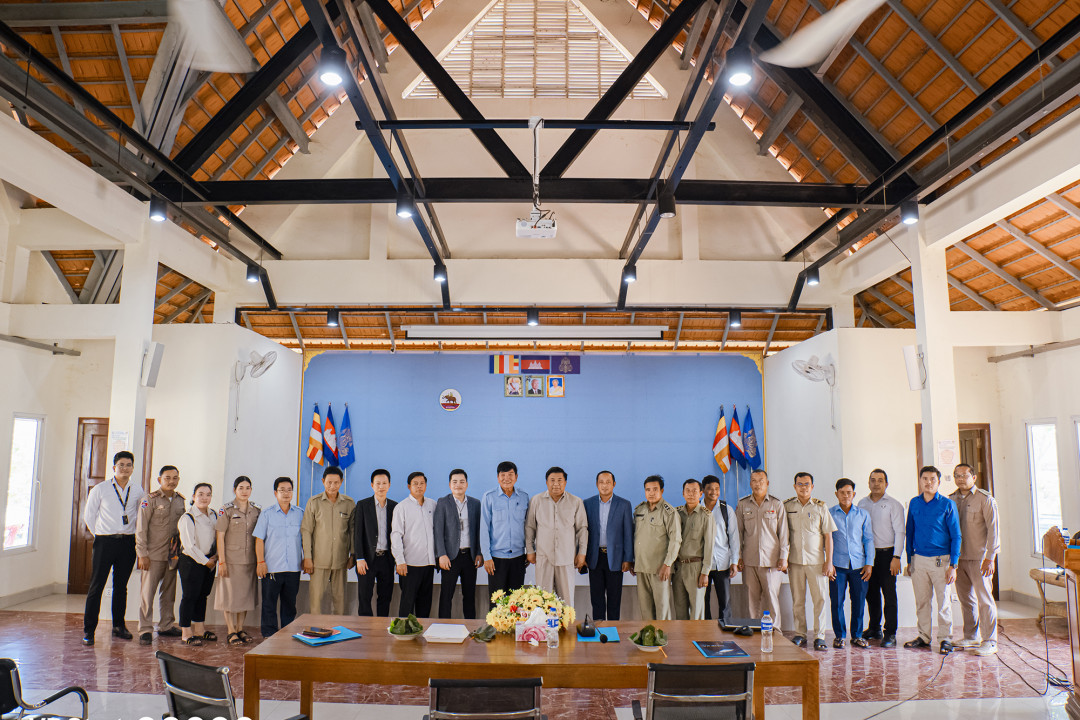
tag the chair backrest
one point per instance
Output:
(485, 699)
(689, 692)
(196, 691)
(9, 685)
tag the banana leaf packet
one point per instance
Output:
(406, 626)
(484, 633)
(649, 636)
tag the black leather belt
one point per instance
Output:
(380, 553)
(465, 551)
(603, 550)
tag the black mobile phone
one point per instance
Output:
(318, 632)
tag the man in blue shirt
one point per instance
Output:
(279, 550)
(610, 551)
(933, 550)
(502, 531)
(852, 559)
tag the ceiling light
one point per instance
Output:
(333, 317)
(909, 212)
(332, 66)
(739, 65)
(665, 201)
(405, 207)
(735, 318)
(253, 273)
(629, 274)
(551, 332)
(532, 317)
(158, 209)
(813, 276)
(440, 273)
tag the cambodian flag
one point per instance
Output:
(329, 438)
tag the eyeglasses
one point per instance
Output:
(127, 465)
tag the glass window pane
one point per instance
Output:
(1045, 485)
(21, 481)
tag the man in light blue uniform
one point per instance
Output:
(278, 551)
(853, 561)
(502, 531)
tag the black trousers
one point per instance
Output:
(196, 582)
(882, 586)
(721, 581)
(379, 576)
(509, 574)
(463, 566)
(416, 591)
(115, 554)
(605, 590)
(283, 586)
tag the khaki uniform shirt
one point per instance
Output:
(763, 530)
(327, 531)
(556, 531)
(237, 525)
(698, 536)
(155, 524)
(979, 535)
(806, 527)
(657, 537)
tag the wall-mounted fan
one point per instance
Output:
(258, 364)
(815, 370)
(812, 43)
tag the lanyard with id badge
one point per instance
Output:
(123, 501)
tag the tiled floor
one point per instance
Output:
(854, 683)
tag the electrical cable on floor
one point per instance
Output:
(912, 697)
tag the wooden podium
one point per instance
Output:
(1054, 548)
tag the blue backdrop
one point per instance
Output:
(635, 415)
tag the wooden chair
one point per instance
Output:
(698, 692)
(516, 699)
(196, 691)
(1050, 608)
(11, 697)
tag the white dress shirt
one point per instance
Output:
(105, 512)
(726, 544)
(463, 519)
(197, 533)
(380, 522)
(888, 520)
(412, 532)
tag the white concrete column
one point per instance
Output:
(224, 306)
(940, 439)
(127, 401)
(843, 312)
(14, 260)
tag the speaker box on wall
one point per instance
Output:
(151, 364)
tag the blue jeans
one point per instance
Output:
(851, 581)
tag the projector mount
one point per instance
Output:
(540, 223)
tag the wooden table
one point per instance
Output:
(379, 659)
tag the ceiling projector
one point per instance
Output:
(539, 225)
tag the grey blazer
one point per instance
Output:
(448, 527)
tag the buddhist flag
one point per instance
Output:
(504, 364)
(314, 450)
(735, 439)
(346, 455)
(750, 443)
(720, 444)
(329, 438)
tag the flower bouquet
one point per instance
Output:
(516, 607)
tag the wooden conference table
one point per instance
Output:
(377, 658)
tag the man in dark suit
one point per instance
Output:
(371, 546)
(457, 545)
(611, 546)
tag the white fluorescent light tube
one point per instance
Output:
(539, 332)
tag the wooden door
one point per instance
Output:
(92, 466)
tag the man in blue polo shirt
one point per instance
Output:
(933, 550)
(279, 550)
(853, 560)
(502, 531)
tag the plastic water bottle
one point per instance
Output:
(766, 632)
(553, 627)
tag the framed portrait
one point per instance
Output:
(556, 386)
(512, 386)
(534, 386)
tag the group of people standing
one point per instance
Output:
(678, 555)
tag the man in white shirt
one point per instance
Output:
(888, 522)
(725, 549)
(110, 513)
(412, 543)
(556, 536)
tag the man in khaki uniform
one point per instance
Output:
(556, 536)
(810, 528)
(326, 533)
(763, 532)
(695, 554)
(979, 545)
(657, 537)
(155, 536)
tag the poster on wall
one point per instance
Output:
(512, 386)
(556, 386)
(534, 386)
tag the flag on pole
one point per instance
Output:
(329, 438)
(720, 444)
(346, 455)
(750, 443)
(735, 438)
(314, 450)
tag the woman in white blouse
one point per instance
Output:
(198, 561)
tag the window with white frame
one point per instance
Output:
(1045, 481)
(22, 485)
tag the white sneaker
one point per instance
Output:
(986, 648)
(966, 643)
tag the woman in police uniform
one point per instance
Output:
(236, 569)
